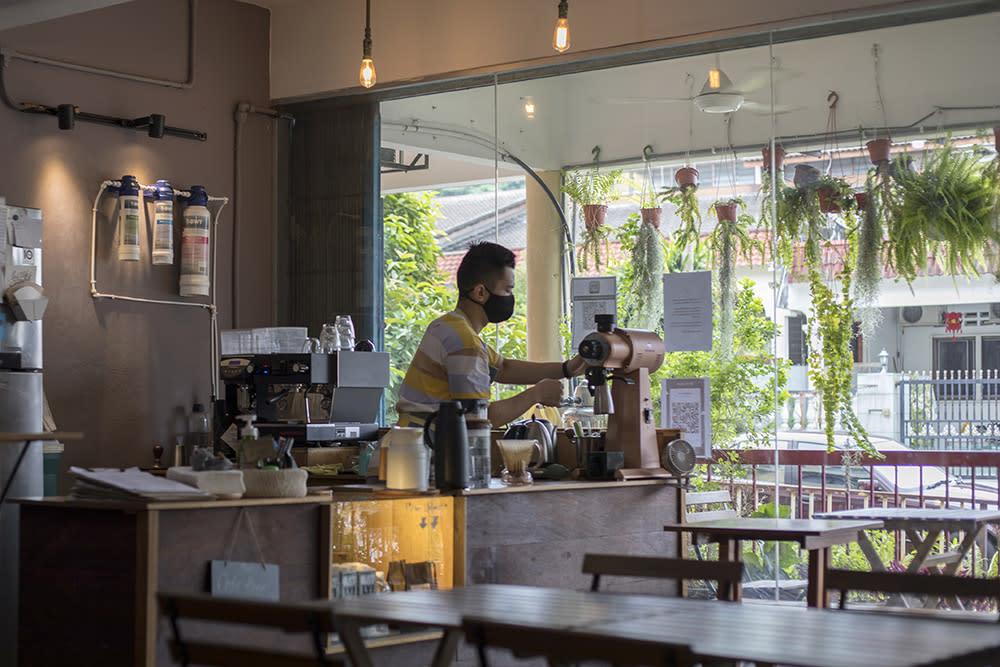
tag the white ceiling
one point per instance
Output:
(949, 63)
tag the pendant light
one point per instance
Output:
(367, 74)
(560, 37)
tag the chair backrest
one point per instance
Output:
(909, 582)
(315, 618)
(696, 506)
(571, 645)
(727, 573)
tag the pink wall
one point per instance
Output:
(125, 373)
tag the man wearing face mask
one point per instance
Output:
(454, 363)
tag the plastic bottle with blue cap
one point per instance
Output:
(163, 223)
(129, 219)
(195, 242)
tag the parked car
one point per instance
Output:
(936, 485)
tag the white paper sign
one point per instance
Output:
(685, 405)
(592, 296)
(687, 311)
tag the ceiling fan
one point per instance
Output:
(719, 94)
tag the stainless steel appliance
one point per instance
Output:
(313, 397)
(21, 397)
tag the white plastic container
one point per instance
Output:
(163, 224)
(406, 467)
(195, 277)
(129, 219)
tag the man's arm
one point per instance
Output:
(547, 392)
(515, 371)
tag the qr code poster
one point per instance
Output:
(685, 406)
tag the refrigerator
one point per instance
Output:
(21, 395)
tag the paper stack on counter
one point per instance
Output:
(131, 484)
(220, 483)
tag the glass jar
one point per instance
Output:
(479, 452)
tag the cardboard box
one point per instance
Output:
(346, 455)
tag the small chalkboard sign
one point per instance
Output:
(251, 581)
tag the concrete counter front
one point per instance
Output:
(90, 570)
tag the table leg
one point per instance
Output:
(871, 554)
(732, 550)
(354, 645)
(817, 595)
(445, 653)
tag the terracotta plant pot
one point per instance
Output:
(804, 175)
(594, 215)
(827, 204)
(686, 177)
(726, 212)
(862, 200)
(878, 150)
(779, 158)
(651, 215)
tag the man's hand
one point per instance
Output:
(576, 366)
(548, 392)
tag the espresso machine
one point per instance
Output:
(620, 361)
(21, 395)
(312, 397)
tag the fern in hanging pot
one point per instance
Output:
(946, 211)
(730, 240)
(592, 190)
(685, 197)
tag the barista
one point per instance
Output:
(454, 363)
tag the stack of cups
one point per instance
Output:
(479, 452)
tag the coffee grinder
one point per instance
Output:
(620, 361)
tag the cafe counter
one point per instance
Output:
(90, 570)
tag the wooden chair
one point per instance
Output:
(726, 573)
(563, 646)
(316, 619)
(941, 585)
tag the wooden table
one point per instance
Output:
(814, 535)
(922, 526)
(714, 630)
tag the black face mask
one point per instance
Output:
(498, 308)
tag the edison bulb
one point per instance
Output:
(560, 38)
(529, 109)
(714, 79)
(367, 74)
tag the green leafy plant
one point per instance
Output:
(644, 299)
(868, 276)
(689, 212)
(729, 241)
(946, 210)
(592, 188)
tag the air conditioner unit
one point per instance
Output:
(920, 315)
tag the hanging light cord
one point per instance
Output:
(366, 45)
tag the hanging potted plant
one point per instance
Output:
(643, 276)
(947, 211)
(729, 241)
(868, 275)
(685, 197)
(592, 190)
(833, 195)
(648, 199)
(779, 158)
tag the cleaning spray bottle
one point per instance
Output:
(247, 432)
(163, 223)
(195, 280)
(129, 219)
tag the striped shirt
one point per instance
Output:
(451, 363)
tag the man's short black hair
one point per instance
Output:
(483, 264)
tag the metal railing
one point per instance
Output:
(861, 487)
(950, 410)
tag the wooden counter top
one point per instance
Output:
(65, 501)
(368, 490)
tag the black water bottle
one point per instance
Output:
(450, 443)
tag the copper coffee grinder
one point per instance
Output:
(623, 360)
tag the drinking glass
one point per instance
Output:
(345, 327)
(329, 338)
(311, 346)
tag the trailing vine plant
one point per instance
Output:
(727, 242)
(644, 298)
(868, 275)
(592, 188)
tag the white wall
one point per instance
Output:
(316, 44)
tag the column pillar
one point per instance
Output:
(544, 262)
